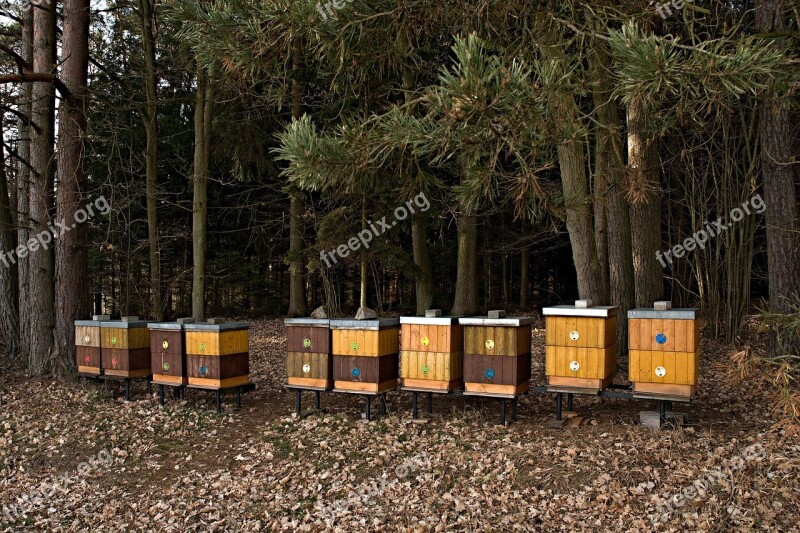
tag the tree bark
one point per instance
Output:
(645, 209)
(41, 294)
(363, 288)
(778, 172)
(423, 281)
(23, 184)
(466, 298)
(203, 115)
(72, 287)
(150, 117)
(524, 256)
(9, 282)
(297, 291)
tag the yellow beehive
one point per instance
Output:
(365, 355)
(581, 347)
(664, 352)
(431, 353)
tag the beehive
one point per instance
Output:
(365, 355)
(309, 362)
(581, 347)
(87, 345)
(125, 347)
(664, 352)
(431, 353)
(217, 355)
(497, 355)
(168, 352)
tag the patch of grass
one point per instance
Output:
(282, 447)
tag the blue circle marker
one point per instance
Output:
(203, 370)
(356, 372)
(661, 338)
(489, 373)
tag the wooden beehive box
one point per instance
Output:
(664, 353)
(309, 362)
(217, 355)
(168, 352)
(431, 353)
(87, 345)
(497, 355)
(125, 347)
(581, 347)
(365, 355)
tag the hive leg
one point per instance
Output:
(127, 390)
(502, 412)
(414, 405)
(149, 387)
(662, 412)
(317, 400)
(298, 401)
(161, 394)
(383, 404)
(514, 409)
(559, 399)
(367, 408)
(430, 403)
(569, 401)
(239, 397)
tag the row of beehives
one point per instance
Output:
(212, 355)
(492, 355)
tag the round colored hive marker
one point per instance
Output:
(165, 344)
(356, 372)
(307, 343)
(87, 338)
(166, 366)
(354, 346)
(425, 341)
(306, 368)
(661, 338)
(425, 369)
(489, 373)
(113, 340)
(114, 362)
(203, 370)
(202, 347)
(87, 358)
(574, 335)
(661, 371)
(574, 366)
(490, 344)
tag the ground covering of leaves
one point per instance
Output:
(183, 468)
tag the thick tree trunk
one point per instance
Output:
(72, 282)
(41, 294)
(466, 298)
(523, 278)
(9, 282)
(645, 209)
(150, 116)
(23, 185)
(610, 170)
(778, 171)
(363, 288)
(203, 114)
(297, 290)
(423, 281)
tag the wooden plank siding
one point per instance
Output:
(432, 338)
(217, 343)
(593, 332)
(497, 340)
(594, 363)
(681, 335)
(366, 343)
(318, 339)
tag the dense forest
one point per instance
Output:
(263, 158)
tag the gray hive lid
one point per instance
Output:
(374, 324)
(689, 313)
(510, 322)
(305, 321)
(127, 322)
(205, 326)
(176, 326)
(430, 321)
(90, 323)
(597, 311)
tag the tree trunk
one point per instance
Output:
(778, 171)
(203, 114)
(23, 185)
(363, 291)
(523, 278)
(610, 170)
(41, 293)
(9, 283)
(72, 282)
(645, 210)
(297, 290)
(423, 281)
(466, 299)
(150, 116)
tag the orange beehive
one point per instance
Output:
(581, 347)
(431, 353)
(664, 352)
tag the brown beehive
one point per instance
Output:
(217, 355)
(125, 347)
(365, 355)
(87, 345)
(431, 353)
(168, 353)
(581, 347)
(309, 362)
(664, 353)
(497, 355)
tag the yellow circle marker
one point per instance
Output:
(490, 344)
(425, 341)
(165, 344)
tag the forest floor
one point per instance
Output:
(74, 456)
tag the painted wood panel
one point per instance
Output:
(432, 338)
(125, 338)
(584, 363)
(497, 370)
(497, 340)
(366, 343)
(431, 366)
(217, 343)
(581, 332)
(365, 369)
(87, 336)
(133, 362)
(309, 365)
(88, 359)
(218, 367)
(308, 339)
(679, 368)
(677, 335)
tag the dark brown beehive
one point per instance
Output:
(125, 347)
(168, 353)
(309, 362)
